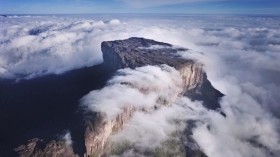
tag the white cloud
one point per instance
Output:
(247, 130)
(67, 138)
(149, 130)
(35, 48)
(140, 88)
(240, 53)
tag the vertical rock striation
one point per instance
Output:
(99, 130)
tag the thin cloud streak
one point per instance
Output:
(156, 3)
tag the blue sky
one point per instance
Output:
(140, 6)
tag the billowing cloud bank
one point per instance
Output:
(34, 48)
(141, 88)
(241, 56)
(247, 129)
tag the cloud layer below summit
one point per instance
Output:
(240, 53)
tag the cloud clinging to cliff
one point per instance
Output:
(140, 89)
(67, 138)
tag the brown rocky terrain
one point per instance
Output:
(51, 149)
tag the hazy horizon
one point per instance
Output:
(136, 6)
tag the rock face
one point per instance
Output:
(37, 148)
(137, 52)
(99, 131)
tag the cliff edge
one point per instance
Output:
(137, 52)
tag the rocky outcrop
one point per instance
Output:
(137, 52)
(37, 148)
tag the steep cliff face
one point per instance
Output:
(137, 52)
(98, 132)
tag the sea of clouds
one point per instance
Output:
(241, 56)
